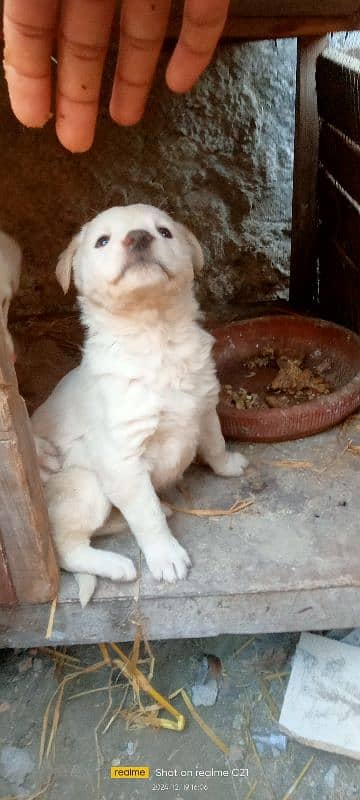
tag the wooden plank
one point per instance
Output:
(341, 157)
(291, 561)
(252, 27)
(255, 28)
(23, 516)
(292, 8)
(7, 591)
(179, 618)
(303, 242)
(338, 89)
(340, 215)
(261, 19)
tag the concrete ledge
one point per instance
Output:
(290, 562)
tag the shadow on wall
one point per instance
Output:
(219, 158)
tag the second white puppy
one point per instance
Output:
(131, 418)
(10, 270)
(10, 267)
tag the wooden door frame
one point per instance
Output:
(28, 571)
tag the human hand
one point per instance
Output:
(83, 30)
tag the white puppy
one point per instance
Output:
(130, 419)
(10, 270)
(10, 267)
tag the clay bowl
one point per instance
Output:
(238, 342)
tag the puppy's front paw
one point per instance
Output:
(231, 465)
(121, 568)
(168, 561)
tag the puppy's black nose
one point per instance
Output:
(137, 240)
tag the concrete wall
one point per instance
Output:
(220, 159)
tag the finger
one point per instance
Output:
(29, 29)
(83, 40)
(202, 26)
(143, 27)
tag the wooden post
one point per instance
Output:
(28, 570)
(303, 272)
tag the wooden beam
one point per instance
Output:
(288, 8)
(182, 617)
(262, 19)
(303, 278)
(30, 559)
(253, 28)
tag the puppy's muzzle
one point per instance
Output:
(138, 246)
(137, 241)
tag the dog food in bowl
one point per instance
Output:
(285, 377)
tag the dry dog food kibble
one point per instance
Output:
(293, 382)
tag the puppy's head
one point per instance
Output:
(130, 252)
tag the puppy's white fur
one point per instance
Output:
(130, 419)
(10, 271)
(10, 268)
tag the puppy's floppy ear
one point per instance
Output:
(196, 250)
(65, 262)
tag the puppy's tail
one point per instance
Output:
(87, 586)
(87, 583)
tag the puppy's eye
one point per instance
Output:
(102, 241)
(165, 233)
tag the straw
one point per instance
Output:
(269, 700)
(50, 624)
(56, 716)
(139, 681)
(239, 505)
(58, 656)
(290, 792)
(244, 646)
(203, 725)
(251, 791)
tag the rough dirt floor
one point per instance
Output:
(251, 688)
